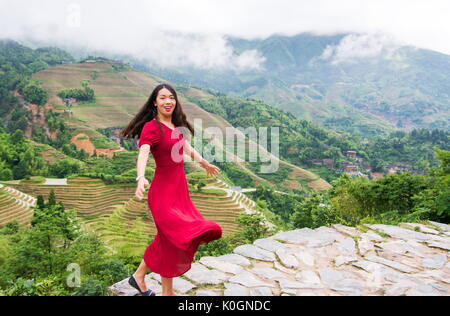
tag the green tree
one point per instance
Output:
(35, 94)
(42, 251)
(40, 203)
(313, 212)
(64, 167)
(18, 137)
(51, 198)
(253, 226)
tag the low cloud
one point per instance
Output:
(141, 29)
(355, 47)
(180, 32)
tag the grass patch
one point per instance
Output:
(384, 235)
(213, 192)
(35, 179)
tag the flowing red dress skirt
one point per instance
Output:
(181, 228)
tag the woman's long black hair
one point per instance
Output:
(148, 112)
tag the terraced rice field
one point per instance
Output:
(15, 205)
(123, 222)
(89, 197)
(131, 228)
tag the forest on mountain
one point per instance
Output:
(301, 141)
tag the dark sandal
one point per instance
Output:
(133, 283)
(149, 293)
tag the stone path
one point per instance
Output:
(409, 259)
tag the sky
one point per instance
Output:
(193, 32)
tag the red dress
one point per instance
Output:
(181, 228)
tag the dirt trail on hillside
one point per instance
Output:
(87, 145)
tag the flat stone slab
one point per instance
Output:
(444, 227)
(341, 260)
(208, 293)
(308, 276)
(218, 264)
(405, 234)
(251, 251)
(331, 276)
(350, 231)
(261, 291)
(202, 275)
(346, 247)
(269, 244)
(233, 289)
(323, 236)
(248, 279)
(297, 236)
(365, 246)
(235, 259)
(286, 284)
(391, 264)
(268, 273)
(421, 228)
(287, 259)
(402, 247)
(440, 245)
(349, 287)
(372, 236)
(436, 262)
(306, 257)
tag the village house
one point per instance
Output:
(317, 161)
(367, 168)
(116, 139)
(351, 153)
(351, 168)
(394, 168)
(70, 102)
(377, 175)
(328, 162)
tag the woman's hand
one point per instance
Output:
(140, 190)
(210, 169)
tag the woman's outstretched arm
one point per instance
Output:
(144, 152)
(191, 152)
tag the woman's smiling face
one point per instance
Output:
(165, 102)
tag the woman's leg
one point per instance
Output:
(167, 286)
(140, 274)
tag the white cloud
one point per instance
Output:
(180, 32)
(356, 46)
(142, 30)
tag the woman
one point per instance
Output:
(181, 228)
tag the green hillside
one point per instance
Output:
(367, 96)
(119, 94)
